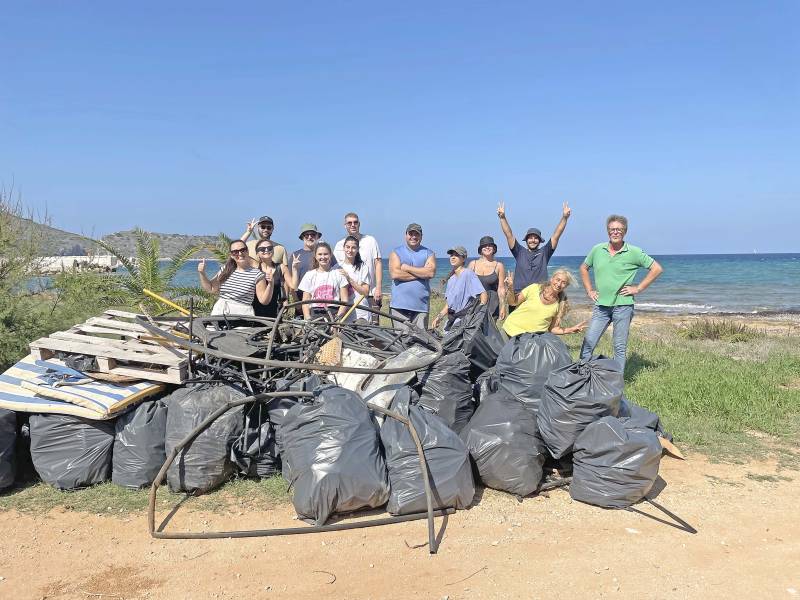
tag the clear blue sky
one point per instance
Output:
(194, 117)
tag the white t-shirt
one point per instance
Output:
(323, 285)
(368, 249)
(360, 275)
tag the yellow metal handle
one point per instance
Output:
(169, 303)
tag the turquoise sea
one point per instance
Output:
(691, 283)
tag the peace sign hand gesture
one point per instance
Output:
(566, 211)
(252, 225)
(501, 210)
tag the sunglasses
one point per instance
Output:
(265, 225)
(239, 252)
(265, 249)
(310, 234)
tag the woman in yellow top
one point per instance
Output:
(541, 306)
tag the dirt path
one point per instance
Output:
(748, 544)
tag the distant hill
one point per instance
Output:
(171, 243)
(56, 242)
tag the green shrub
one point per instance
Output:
(719, 329)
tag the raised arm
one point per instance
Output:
(587, 282)
(653, 273)
(566, 211)
(209, 285)
(294, 280)
(501, 212)
(396, 269)
(249, 230)
(427, 271)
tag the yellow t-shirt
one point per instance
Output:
(532, 316)
(278, 257)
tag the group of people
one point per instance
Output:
(260, 276)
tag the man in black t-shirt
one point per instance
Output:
(532, 258)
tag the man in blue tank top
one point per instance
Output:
(411, 267)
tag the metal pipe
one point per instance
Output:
(159, 479)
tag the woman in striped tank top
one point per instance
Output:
(236, 283)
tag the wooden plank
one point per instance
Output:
(122, 313)
(109, 351)
(116, 324)
(149, 349)
(42, 353)
(129, 315)
(171, 375)
(671, 448)
(108, 331)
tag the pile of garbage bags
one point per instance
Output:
(489, 410)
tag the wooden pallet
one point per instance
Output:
(120, 346)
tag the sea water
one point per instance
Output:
(691, 283)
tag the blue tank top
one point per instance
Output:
(415, 294)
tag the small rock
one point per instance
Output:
(631, 530)
(495, 543)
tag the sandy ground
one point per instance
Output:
(747, 544)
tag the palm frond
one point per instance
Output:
(147, 255)
(221, 250)
(129, 265)
(176, 263)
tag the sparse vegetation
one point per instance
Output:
(719, 329)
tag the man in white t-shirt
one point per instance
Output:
(370, 253)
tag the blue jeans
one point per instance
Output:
(621, 317)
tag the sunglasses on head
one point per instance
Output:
(264, 249)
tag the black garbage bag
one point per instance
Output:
(478, 337)
(487, 383)
(8, 442)
(503, 440)
(445, 389)
(641, 417)
(526, 361)
(575, 396)
(71, 452)
(206, 462)
(139, 444)
(255, 452)
(331, 455)
(449, 469)
(615, 463)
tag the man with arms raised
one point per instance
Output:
(371, 255)
(411, 267)
(615, 264)
(532, 257)
(264, 226)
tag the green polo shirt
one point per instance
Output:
(612, 273)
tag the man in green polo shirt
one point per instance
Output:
(615, 264)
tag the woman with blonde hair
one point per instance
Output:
(542, 306)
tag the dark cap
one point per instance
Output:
(414, 227)
(459, 250)
(486, 240)
(266, 219)
(533, 231)
(309, 227)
